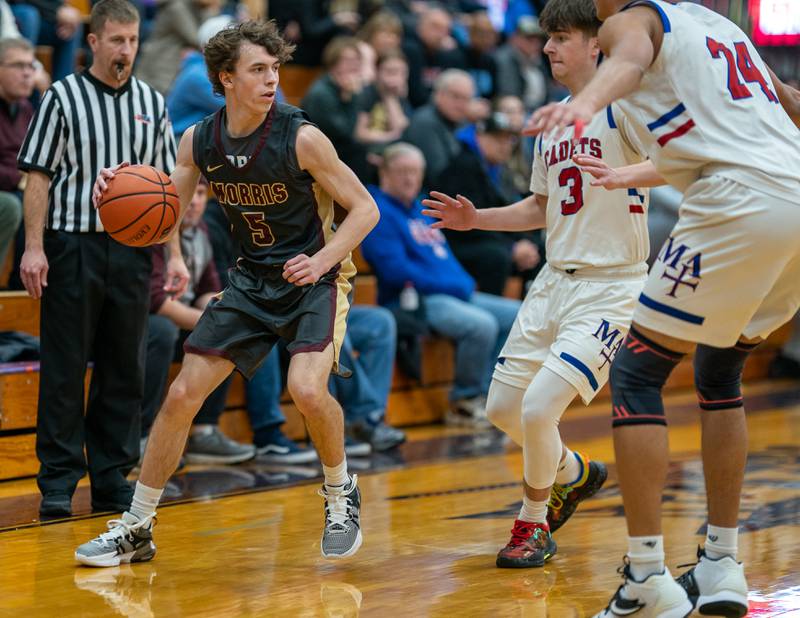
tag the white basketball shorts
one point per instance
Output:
(573, 324)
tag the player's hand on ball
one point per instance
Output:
(604, 176)
(457, 213)
(101, 183)
(304, 270)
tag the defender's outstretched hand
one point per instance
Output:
(554, 118)
(457, 213)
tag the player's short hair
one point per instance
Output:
(120, 11)
(7, 45)
(333, 51)
(565, 15)
(222, 50)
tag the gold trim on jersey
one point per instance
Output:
(347, 270)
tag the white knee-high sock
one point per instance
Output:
(504, 409)
(542, 406)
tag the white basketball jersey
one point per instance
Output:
(707, 106)
(591, 226)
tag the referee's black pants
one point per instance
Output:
(94, 309)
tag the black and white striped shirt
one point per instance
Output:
(83, 125)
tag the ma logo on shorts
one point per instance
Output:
(679, 270)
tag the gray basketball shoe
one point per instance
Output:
(128, 540)
(342, 534)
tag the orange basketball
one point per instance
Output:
(140, 206)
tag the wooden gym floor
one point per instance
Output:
(434, 515)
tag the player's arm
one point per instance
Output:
(630, 41)
(788, 96)
(34, 266)
(317, 156)
(459, 213)
(639, 175)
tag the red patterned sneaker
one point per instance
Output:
(530, 546)
(564, 499)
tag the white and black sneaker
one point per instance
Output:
(128, 539)
(342, 534)
(716, 587)
(658, 596)
(470, 412)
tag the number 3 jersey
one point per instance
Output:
(276, 209)
(707, 106)
(591, 227)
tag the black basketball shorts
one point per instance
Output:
(247, 318)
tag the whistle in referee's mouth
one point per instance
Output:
(120, 69)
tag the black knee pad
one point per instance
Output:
(718, 375)
(637, 377)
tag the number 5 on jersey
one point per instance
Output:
(260, 231)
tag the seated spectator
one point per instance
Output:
(480, 62)
(517, 172)
(175, 32)
(384, 110)
(16, 85)
(54, 23)
(430, 49)
(332, 102)
(192, 97)
(433, 127)
(383, 32)
(170, 322)
(489, 256)
(404, 251)
(521, 69)
(371, 333)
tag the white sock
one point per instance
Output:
(721, 542)
(533, 511)
(336, 476)
(570, 469)
(646, 554)
(145, 500)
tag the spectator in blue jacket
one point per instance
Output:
(404, 251)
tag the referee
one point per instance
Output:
(94, 291)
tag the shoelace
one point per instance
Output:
(558, 495)
(119, 528)
(521, 534)
(338, 507)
